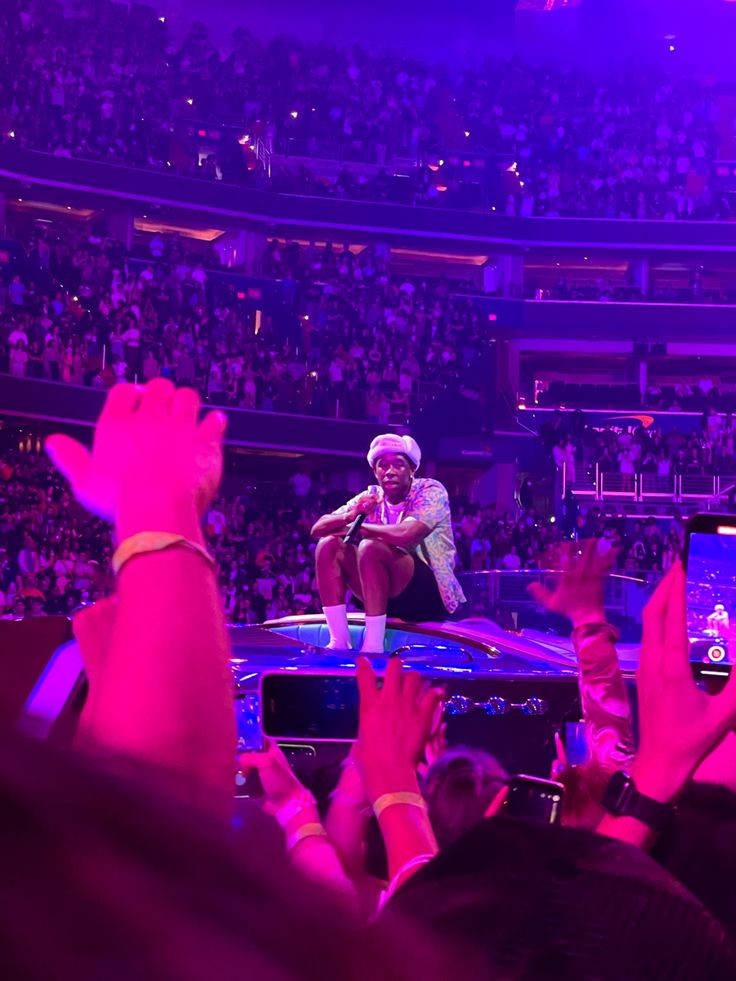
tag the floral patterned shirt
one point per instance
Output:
(605, 701)
(427, 502)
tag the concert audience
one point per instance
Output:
(144, 796)
(638, 144)
(577, 443)
(344, 338)
(55, 557)
(507, 898)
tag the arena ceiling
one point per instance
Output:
(692, 31)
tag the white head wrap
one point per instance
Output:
(393, 443)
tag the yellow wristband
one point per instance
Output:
(403, 797)
(154, 541)
(313, 830)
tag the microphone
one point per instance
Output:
(351, 535)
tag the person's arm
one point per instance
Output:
(605, 702)
(331, 524)
(347, 820)
(295, 809)
(719, 767)
(338, 521)
(579, 596)
(395, 723)
(93, 630)
(164, 691)
(679, 723)
(406, 534)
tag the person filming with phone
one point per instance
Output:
(391, 546)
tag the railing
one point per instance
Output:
(657, 485)
(238, 203)
(694, 487)
(344, 152)
(582, 481)
(500, 594)
(263, 155)
(35, 398)
(710, 489)
(618, 485)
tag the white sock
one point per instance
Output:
(375, 632)
(337, 621)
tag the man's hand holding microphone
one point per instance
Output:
(363, 507)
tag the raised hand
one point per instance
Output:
(151, 461)
(279, 781)
(679, 723)
(579, 594)
(395, 725)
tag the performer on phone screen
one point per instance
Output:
(403, 563)
(718, 622)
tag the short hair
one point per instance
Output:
(584, 788)
(458, 788)
(699, 848)
(124, 882)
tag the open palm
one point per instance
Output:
(148, 447)
(579, 594)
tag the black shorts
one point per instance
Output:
(420, 602)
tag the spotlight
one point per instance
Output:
(189, 102)
(294, 114)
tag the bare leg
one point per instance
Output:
(337, 570)
(384, 572)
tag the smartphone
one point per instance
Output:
(314, 707)
(534, 799)
(248, 723)
(575, 740)
(710, 564)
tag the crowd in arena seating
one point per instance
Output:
(342, 338)
(575, 442)
(702, 394)
(605, 291)
(404, 854)
(422, 864)
(107, 82)
(55, 557)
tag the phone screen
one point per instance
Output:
(534, 799)
(711, 598)
(310, 706)
(248, 723)
(575, 738)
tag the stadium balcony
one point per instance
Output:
(575, 320)
(701, 492)
(58, 402)
(292, 214)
